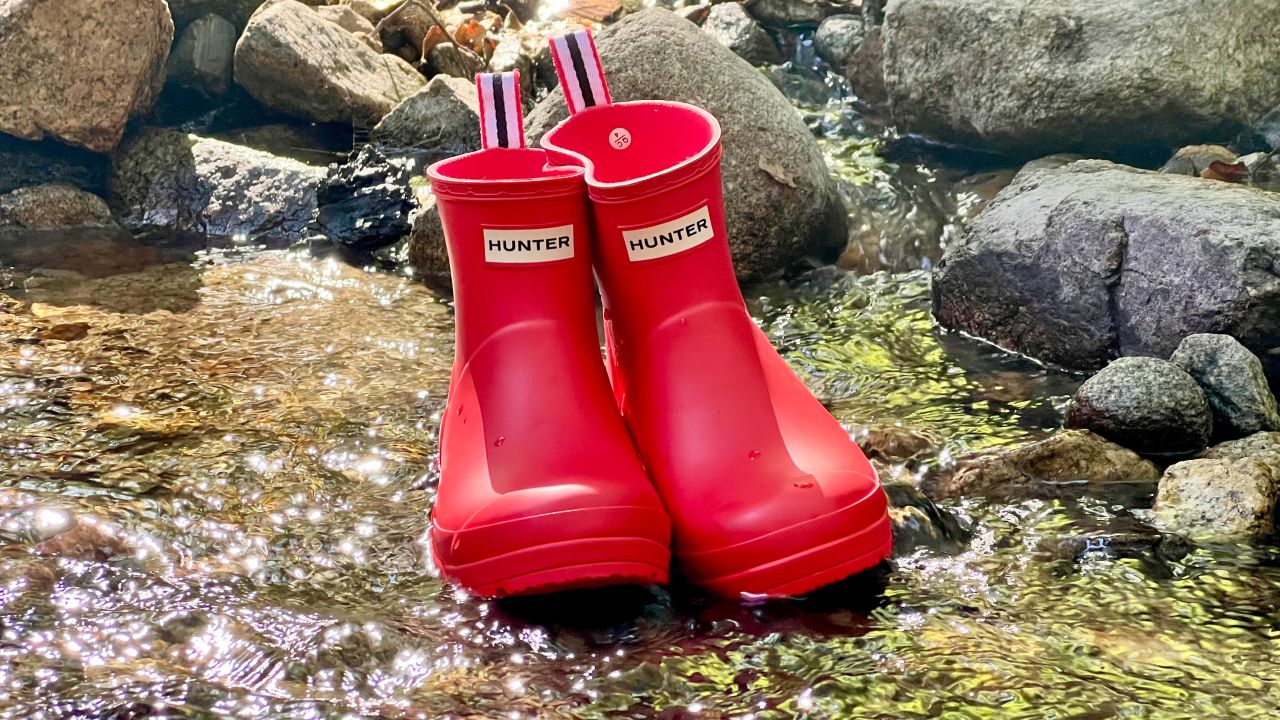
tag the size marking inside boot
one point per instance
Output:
(533, 245)
(669, 238)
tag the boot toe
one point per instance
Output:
(812, 531)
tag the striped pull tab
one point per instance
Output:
(501, 115)
(578, 65)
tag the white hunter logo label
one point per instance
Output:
(669, 238)
(532, 245)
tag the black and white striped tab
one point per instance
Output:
(501, 116)
(578, 65)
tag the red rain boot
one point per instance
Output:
(540, 486)
(768, 494)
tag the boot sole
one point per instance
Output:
(572, 564)
(737, 571)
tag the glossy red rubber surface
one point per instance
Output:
(768, 494)
(540, 486)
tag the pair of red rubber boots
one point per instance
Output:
(555, 474)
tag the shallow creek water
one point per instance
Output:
(245, 446)
(216, 467)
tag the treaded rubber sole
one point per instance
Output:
(804, 571)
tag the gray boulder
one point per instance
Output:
(779, 196)
(291, 59)
(79, 69)
(164, 178)
(52, 206)
(443, 117)
(1233, 381)
(734, 28)
(781, 13)
(1091, 261)
(1073, 457)
(1217, 499)
(1105, 76)
(837, 38)
(1145, 404)
(202, 58)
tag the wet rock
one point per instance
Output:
(364, 204)
(733, 27)
(351, 21)
(443, 117)
(164, 178)
(308, 144)
(1263, 447)
(1233, 381)
(1121, 75)
(447, 59)
(779, 197)
(837, 38)
(173, 287)
(1145, 404)
(79, 69)
(1093, 260)
(427, 251)
(1072, 457)
(1195, 159)
(1217, 499)
(52, 206)
(292, 60)
(865, 68)
(201, 60)
(918, 522)
(781, 13)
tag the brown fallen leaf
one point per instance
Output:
(777, 173)
(1226, 172)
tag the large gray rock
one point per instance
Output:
(786, 12)
(442, 117)
(779, 195)
(1073, 457)
(736, 30)
(1145, 404)
(1233, 381)
(79, 69)
(1038, 76)
(1217, 499)
(202, 58)
(291, 59)
(164, 178)
(838, 37)
(1091, 261)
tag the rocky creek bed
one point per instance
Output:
(226, 334)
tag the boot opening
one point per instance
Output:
(628, 142)
(499, 164)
